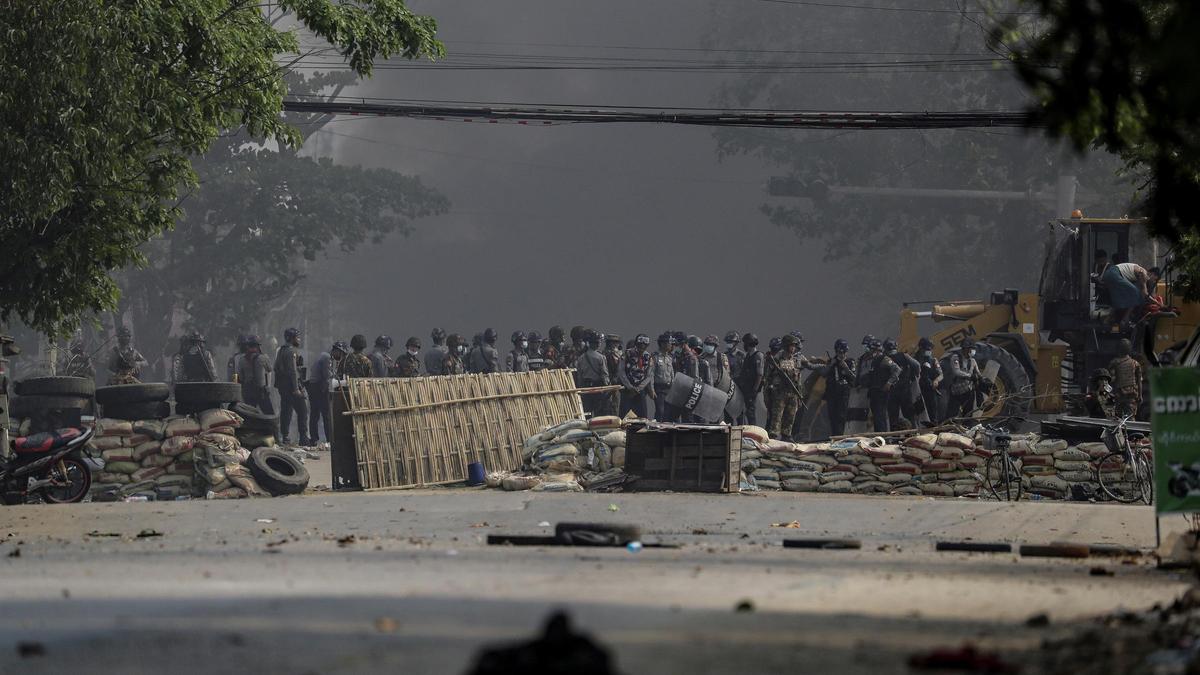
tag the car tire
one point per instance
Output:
(207, 392)
(120, 394)
(278, 472)
(56, 386)
(145, 410)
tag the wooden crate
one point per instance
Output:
(684, 458)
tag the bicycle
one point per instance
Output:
(1001, 475)
(1126, 473)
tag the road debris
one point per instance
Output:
(963, 659)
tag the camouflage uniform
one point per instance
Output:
(781, 374)
(125, 364)
(356, 364)
(1126, 384)
(408, 365)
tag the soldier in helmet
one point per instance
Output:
(320, 383)
(356, 363)
(879, 376)
(689, 359)
(471, 360)
(613, 353)
(1126, 380)
(569, 353)
(964, 380)
(663, 365)
(1101, 399)
(231, 366)
(734, 353)
(774, 351)
(931, 380)
(435, 357)
(193, 363)
(716, 362)
(750, 376)
(840, 376)
(803, 363)
(289, 382)
(634, 372)
(902, 410)
(866, 344)
(79, 362)
(553, 348)
(381, 362)
(254, 372)
(783, 381)
(125, 362)
(535, 354)
(591, 370)
(517, 360)
(486, 359)
(456, 351)
(409, 363)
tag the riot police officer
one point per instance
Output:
(931, 380)
(553, 349)
(435, 357)
(964, 380)
(409, 363)
(289, 382)
(840, 376)
(517, 360)
(254, 373)
(534, 353)
(663, 367)
(381, 362)
(194, 363)
(634, 372)
(750, 376)
(486, 358)
(613, 353)
(734, 353)
(591, 370)
(880, 375)
(231, 366)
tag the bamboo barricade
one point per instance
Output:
(412, 432)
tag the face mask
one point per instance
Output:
(709, 349)
(971, 353)
(524, 345)
(460, 349)
(414, 352)
(731, 345)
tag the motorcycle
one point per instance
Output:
(1184, 481)
(48, 466)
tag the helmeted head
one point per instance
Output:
(867, 339)
(241, 341)
(665, 340)
(292, 336)
(840, 346)
(925, 344)
(968, 345)
(694, 343)
(413, 343)
(1101, 374)
(641, 342)
(438, 336)
(750, 341)
(590, 339)
(1124, 347)
(518, 337)
(775, 344)
(384, 342)
(456, 343)
(490, 335)
(680, 337)
(339, 350)
(555, 334)
(612, 340)
(798, 335)
(358, 342)
(711, 342)
(124, 335)
(790, 343)
(253, 342)
(535, 338)
(577, 333)
(875, 346)
(889, 346)
(732, 338)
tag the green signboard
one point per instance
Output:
(1175, 409)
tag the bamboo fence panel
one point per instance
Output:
(419, 431)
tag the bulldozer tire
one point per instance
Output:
(1013, 391)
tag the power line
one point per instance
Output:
(877, 8)
(763, 119)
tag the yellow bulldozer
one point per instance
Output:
(1039, 350)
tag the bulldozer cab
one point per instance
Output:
(1077, 252)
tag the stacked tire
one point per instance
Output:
(144, 401)
(195, 397)
(255, 423)
(52, 402)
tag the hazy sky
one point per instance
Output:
(626, 228)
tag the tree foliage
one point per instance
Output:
(105, 106)
(1121, 75)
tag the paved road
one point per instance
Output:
(340, 583)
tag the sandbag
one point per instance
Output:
(1049, 483)
(972, 462)
(519, 483)
(951, 476)
(848, 468)
(870, 470)
(885, 452)
(871, 487)
(1077, 476)
(219, 418)
(229, 493)
(953, 440)
(910, 469)
(937, 490)
(836, 477)
(896, 478)
(122, 467)
(575, 436)
(181, 468)
(604, 422)
(146, 449)
(800, 485)
(947, 452)
(798, 474)
(112, 477)
(147, 473)
(756, 434)
(615, 439)
(157, 460)
(917, 455)
(558, 450)
(962, 490)
(778, 446)
(856, 459)
(1049, 446)
(768, 484)
(177, 445)
(1039, 470)
(111, 427)
(173, 480)
(249, 485)
(921, 442)
(153, 430)
(839, 486)
(1072, 455)
(1020, 448)
(940, 465)
(823, 461)
(907, 490)
(768, 474)
(1039, 460)
(102, 443)
(618, 456)
(1094, 450)
(118, 455)
(182, 426)
(1073, 466)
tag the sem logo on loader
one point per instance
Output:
(955, 339)
(1169, 405)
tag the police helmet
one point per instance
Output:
(589, 336)
(889, 345)
(790, 339)
(642, 339)
(384, 341)
(732, 336)
(924, 343)
(1124, 347)
(680, 337)
(196, 337)
(868, 339)
(253, 341)
(775, 344)
(340, 346)
(455, 340)
(438, 334)
(711, 340)
(490, 335)
(414, 342)
(241, 340)
(358, 342)
(1101, 374)
(291, 333)
(750, 340)
(967, 345)
(665, 339)
(124, 332)
(798, 335)
(612, 337)
(875, 345)
(841, 346)
(556, 333)
(694, 342)
(518, 336)
(535, 337)
(577, 333)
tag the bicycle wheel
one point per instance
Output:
(1119, 480)
(1146, 477)
(1002, 478)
